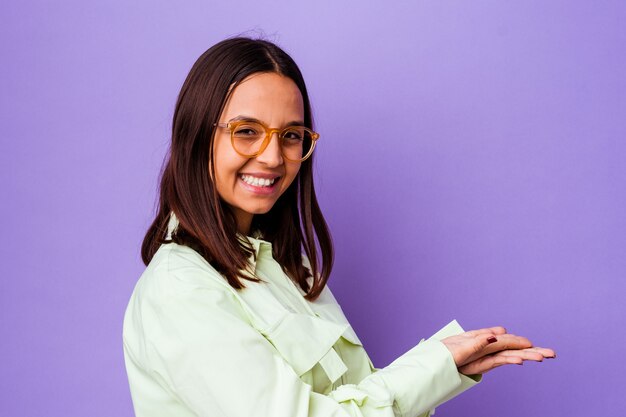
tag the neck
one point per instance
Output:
(244, 222)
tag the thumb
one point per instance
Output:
(486, 340)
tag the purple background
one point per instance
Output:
(471, 166)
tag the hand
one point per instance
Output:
(506, 357)
(479, 351)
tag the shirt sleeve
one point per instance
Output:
(201, 345)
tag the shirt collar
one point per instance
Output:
(260, 247)
(258, 244)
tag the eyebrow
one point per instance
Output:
(254, 119)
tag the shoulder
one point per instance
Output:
(177, 287)
(175, 276)
(178, 268)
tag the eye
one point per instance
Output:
(294, 135)
(246, 131)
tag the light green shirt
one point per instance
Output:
(195, 346)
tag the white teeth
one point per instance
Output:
(258, 182)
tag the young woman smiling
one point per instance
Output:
(232, 316)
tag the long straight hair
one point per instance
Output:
(206, 223)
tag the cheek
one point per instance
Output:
(227, 163)
(225, 172)
(291, 174)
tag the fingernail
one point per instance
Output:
(492, 339)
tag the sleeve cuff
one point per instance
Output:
(467, 381)
(425, 376)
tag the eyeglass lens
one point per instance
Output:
(295, 141)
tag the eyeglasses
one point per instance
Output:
(250, 138)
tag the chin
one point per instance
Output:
(258, 210)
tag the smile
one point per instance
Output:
(258, 182)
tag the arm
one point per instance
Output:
(203, 348)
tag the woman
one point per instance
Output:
(232, 316)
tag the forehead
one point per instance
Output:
(269, 97)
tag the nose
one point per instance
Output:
(272, 155)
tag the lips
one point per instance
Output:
(259, 185)
(257, 181)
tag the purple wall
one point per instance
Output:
(471, 166)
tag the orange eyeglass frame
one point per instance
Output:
(269, 131)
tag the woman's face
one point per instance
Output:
(276, 101)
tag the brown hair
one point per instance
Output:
(206, 222)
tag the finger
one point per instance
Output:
(483, 340)
(481, 347)
(527, 355)
(490, 330)
(487, 363)
(508, 342)
(506, 357)
(498, 330)
(480, 332)
(547, 353)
